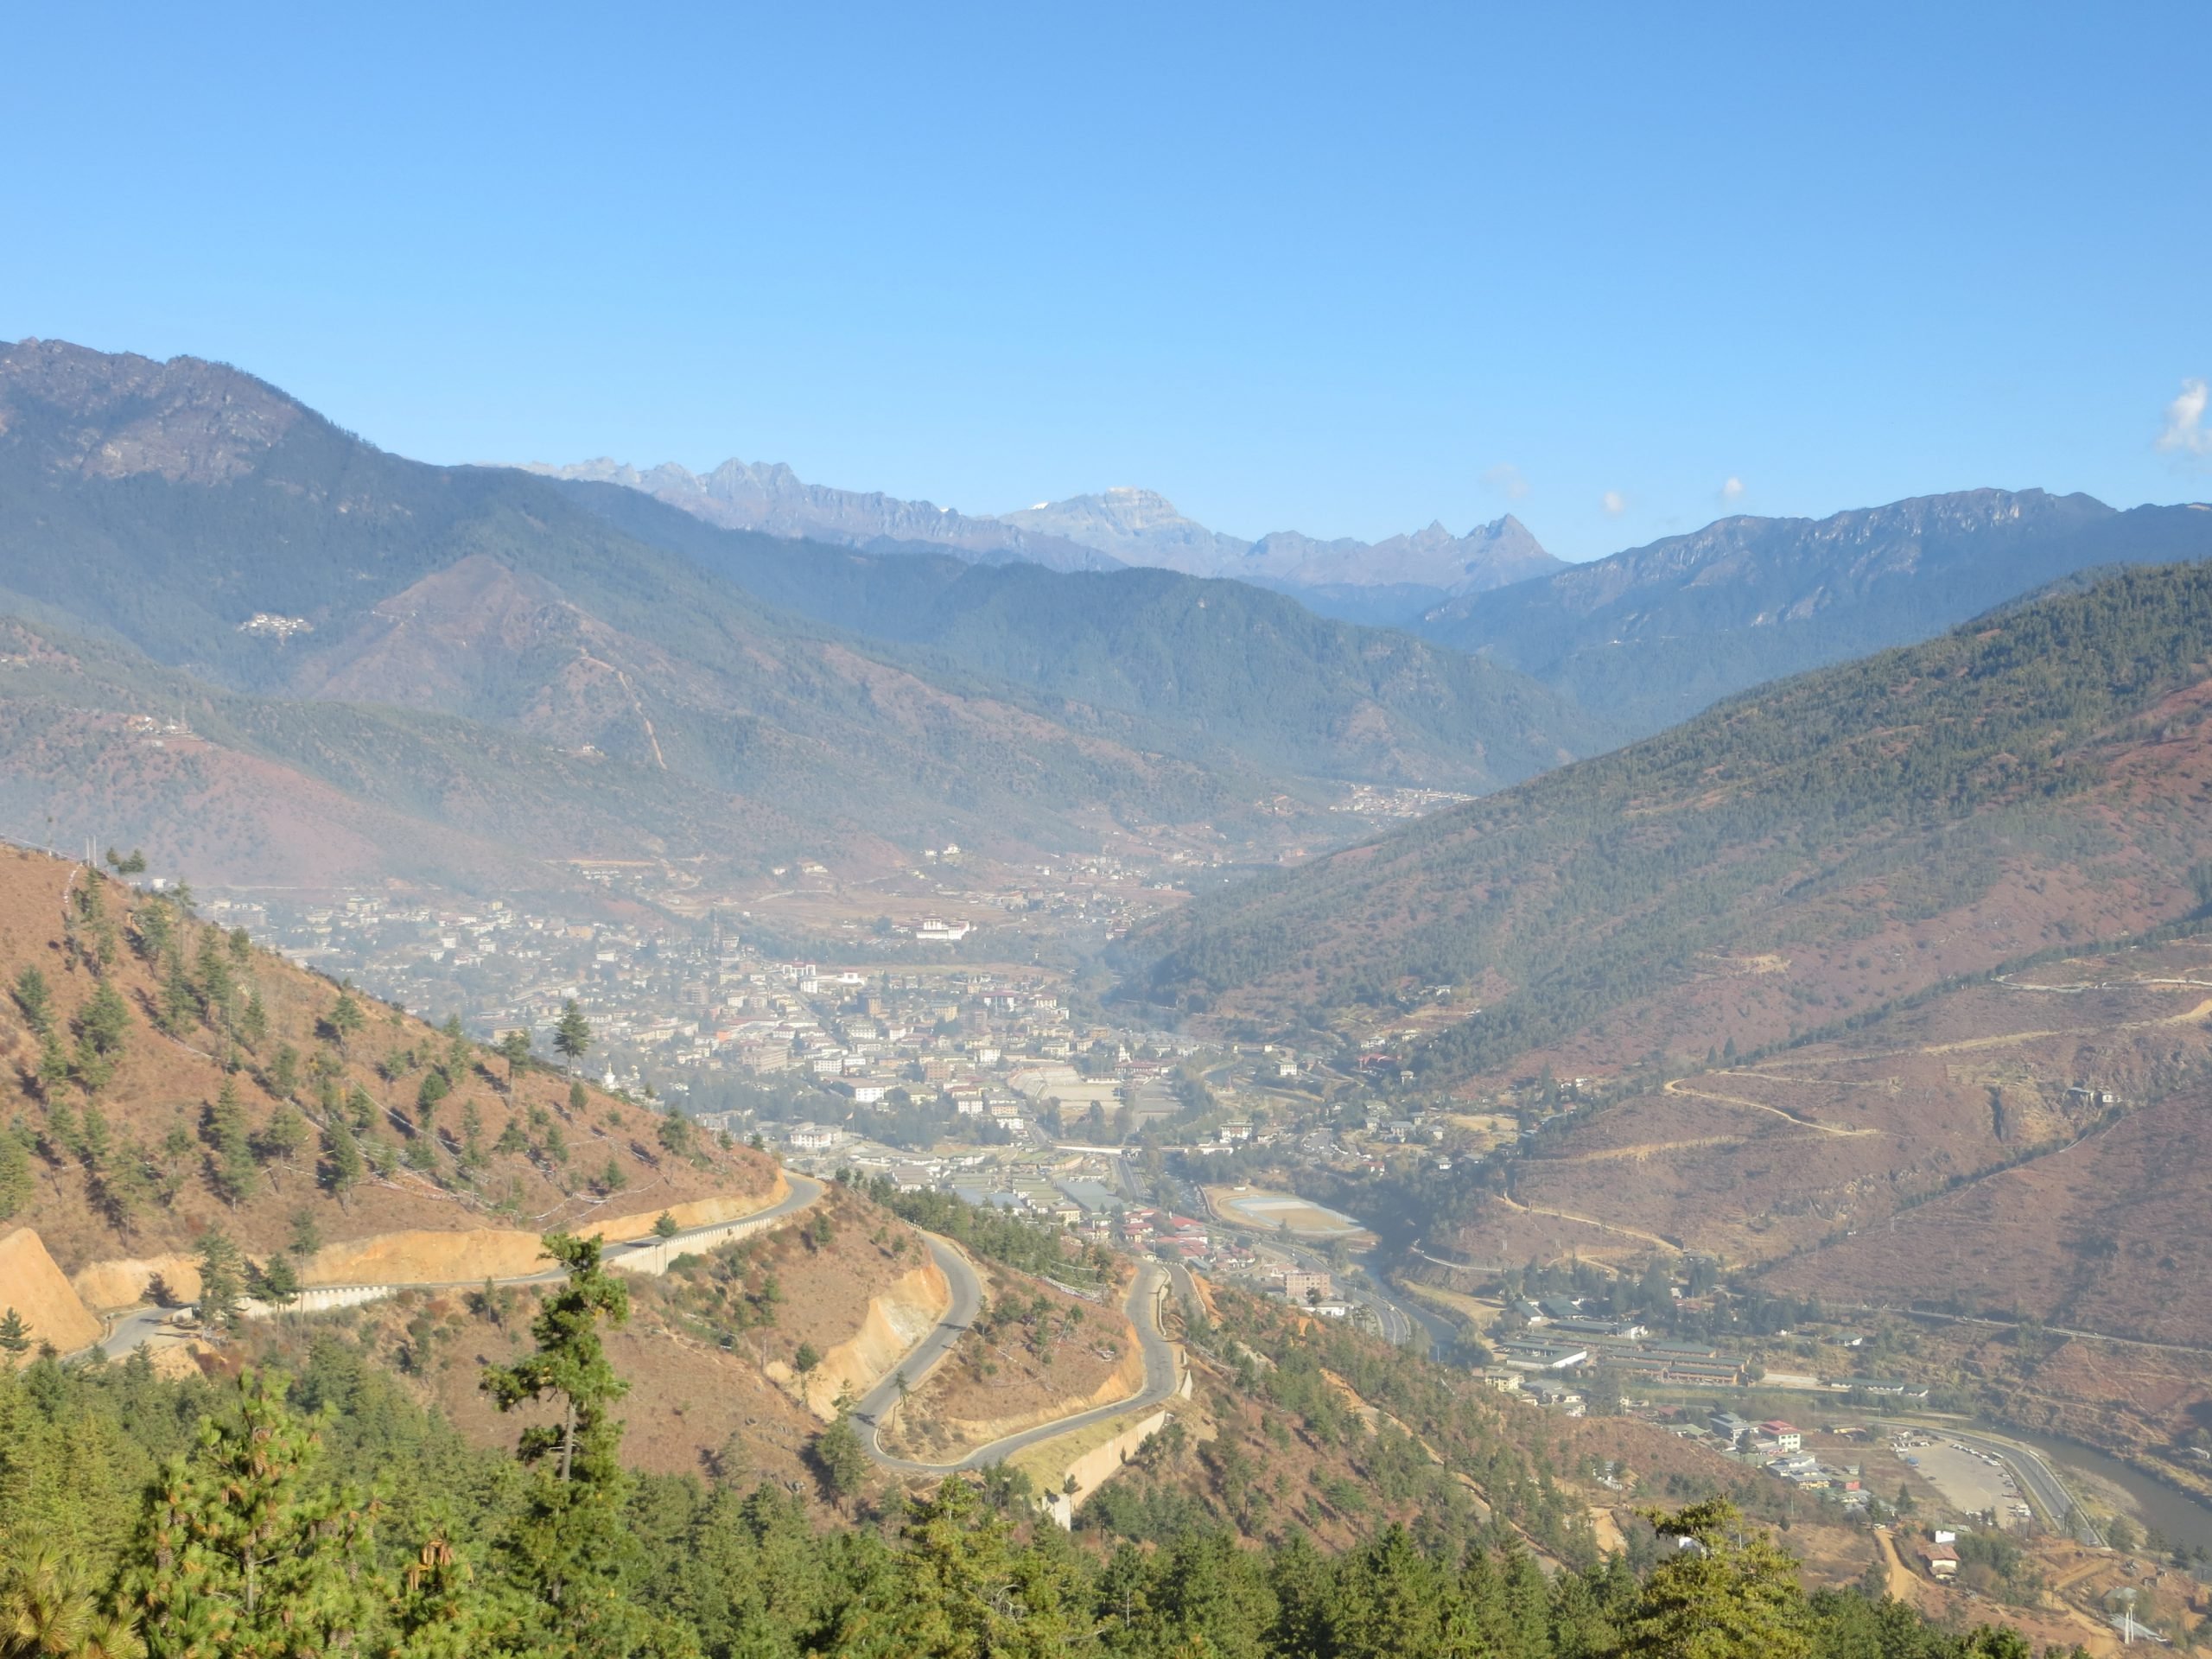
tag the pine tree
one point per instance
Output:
(32, 997)
(219, 989)
(17, 1183)
(222, 1279)
(1728, 1594)
(47, 1605)
(15, 1335)
(572, 1036)
(514, 1049)
(102, 1026)
(277, 1282)
(434, 1089)
(457, 1047)
(95, 1142)
(253, 1023)
(54, 1065)
(231, 1169)
(244, 1553)
(345, 1019)
(180, 1002)
(283, 1137)
(570, 1542)
(838, 1454)
(106, 1018)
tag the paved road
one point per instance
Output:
(1162, 1376)
(139, 1325)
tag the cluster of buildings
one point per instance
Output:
(708, 1004)
(1559, 1337)
(1779, 1447)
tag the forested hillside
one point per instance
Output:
(326, 1511)
(1221, 664)
(699, 692)
(2016, 784)
(1652, 635)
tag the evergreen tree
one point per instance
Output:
(15, 1335)
(17, 1182)
(219, 989)
(572, 1036)
(53, 1067)
(345, 1019)
(569, 1544)
(1724, 1592)
(253, 1022)
(341, 1158)
(222, 1280)
(36, 1001)
(244, 1553)
(457, 1047)
(841, 1459)
(95, 1142)
(231, 1170)
(277, 1282)
(180, 1002)
(102, 1026)
(283, 1137)
(434, 1089)
(514, 1049)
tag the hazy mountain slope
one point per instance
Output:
(1654, 634)
(167, 504)
(1214, 665)
(2036, 779)
(241, 790)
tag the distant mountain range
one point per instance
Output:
(355, 665)
(770, 497)
(1652, 635)
(1385, 581)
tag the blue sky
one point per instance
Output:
(1336, 268)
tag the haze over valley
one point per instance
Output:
(1545, 992)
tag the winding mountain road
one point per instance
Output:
(1162, 1373)
(1162, 1370)
(149, 1324)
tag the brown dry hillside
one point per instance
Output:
(233, 1094)
(1850, 1149)
(1036, 1353)
(2112, 1234)
(1801, 854)
(708, 1351)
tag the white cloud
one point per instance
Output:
(1613, 502)
(1732, 490)
(2185, 433)
(1508, 480)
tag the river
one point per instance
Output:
(2181, 1518)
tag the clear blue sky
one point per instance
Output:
(1340, 268)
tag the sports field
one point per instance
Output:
(1271, 1212)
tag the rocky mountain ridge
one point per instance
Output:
(1119, 526)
